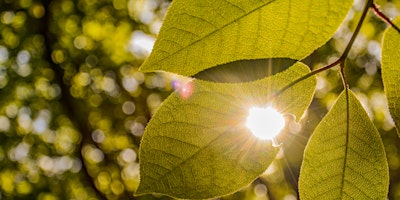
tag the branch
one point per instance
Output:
(384, 17)
(342, 58)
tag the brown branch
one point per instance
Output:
(342, 58)
(384, 17)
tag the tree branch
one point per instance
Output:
(342, 58)
(384, 18)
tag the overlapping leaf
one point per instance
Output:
(198, 35)
(197, 145)
(391, 71)
(345, 157)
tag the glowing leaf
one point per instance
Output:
(198, 146)
(197, 35)
(345, 157)
(391, 71)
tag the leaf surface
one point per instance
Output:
(345, 157)
(197, 146)
(197, 35)
(391, 71)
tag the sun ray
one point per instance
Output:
(265, 122)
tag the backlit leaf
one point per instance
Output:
(197, 146)
(197, 35)
(391, 71)
(345, 157)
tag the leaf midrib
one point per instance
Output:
(216, 30)
(347, 141)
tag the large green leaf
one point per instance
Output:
(197, 35)
(197, 145)
(391, 71)
(345, 157)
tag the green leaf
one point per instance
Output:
(197, 146)
(345, 157)
(197, 35)
(391, 71)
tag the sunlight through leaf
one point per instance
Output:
(265, 123)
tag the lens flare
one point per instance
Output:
(185, 89)
(265, 123)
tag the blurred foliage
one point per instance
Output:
(73, 105)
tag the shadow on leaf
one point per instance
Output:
(245, 70)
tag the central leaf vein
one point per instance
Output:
(216, 30)
(347, 142)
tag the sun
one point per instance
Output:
(265, 122)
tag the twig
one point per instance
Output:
(342, 58)
(384, 17)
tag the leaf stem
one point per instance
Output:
(340, 60)
(384, 18)
(345, 85)
(368, 5)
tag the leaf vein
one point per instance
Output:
(216, 30)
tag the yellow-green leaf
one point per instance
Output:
(197, 145)
(391, 71)
(198, 35)
(345, 157)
